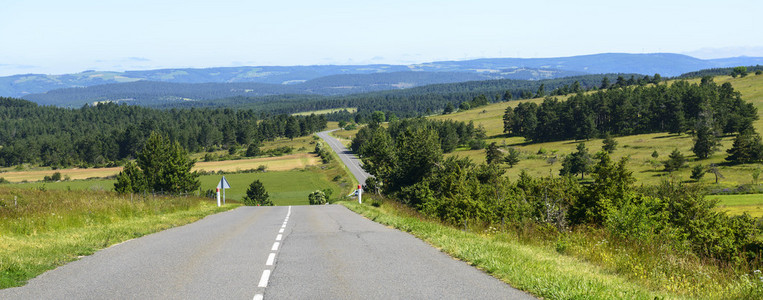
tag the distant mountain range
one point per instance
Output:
(179, 84)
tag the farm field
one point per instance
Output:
(279, 163)
(285, 187)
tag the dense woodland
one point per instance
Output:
(106, 134)
(621, 110)
(721, 71)
(416, 101)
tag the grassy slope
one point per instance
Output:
(638, 148)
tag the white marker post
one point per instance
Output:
(360, 191)
(222, 185)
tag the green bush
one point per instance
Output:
(317, 198)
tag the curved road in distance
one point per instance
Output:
(348, 158)
(300, 252)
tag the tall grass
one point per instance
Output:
(587, 263)
(41, 230)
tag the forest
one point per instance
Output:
(622, 110)
(417, 101)
(108, 134)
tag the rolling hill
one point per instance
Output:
(665, 64)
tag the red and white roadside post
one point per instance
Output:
(360, 191)
(218, 197)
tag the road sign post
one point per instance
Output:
(360, 191)
(222, 185)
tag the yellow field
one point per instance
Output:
(281, 163)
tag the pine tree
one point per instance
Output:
(162, 166)
(492, 154)
(610, 145)
(697, 172)
(512, 158)
(578, 162)
(508, 118)
(705, 142)
(256, 195)
(747, 148)
(675, 161)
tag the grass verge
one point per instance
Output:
(544, 271)
(42, 230)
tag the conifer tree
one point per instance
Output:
(256, 195)
(747, 148)
(675, 161)
(610, 145)
(492, 154)
(578, 162)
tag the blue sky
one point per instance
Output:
(70, 36)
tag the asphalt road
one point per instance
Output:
(323, 252)
(301, 252)
(348, 158)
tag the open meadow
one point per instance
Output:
(542, 159)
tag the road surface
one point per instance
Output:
(348, 158)
(300, 252)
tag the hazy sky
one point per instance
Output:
(54, 37)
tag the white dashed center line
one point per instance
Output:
(264, 279)
(272, 257)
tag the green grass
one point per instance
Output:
(47, 229)
(284, 187)
(739, 204)
(580, 266)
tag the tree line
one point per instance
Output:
(417, 101)
(676, 108)
(106, 134)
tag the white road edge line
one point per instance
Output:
(264, 279)
(278, 237)
(257, 297)
(280, 230)
(271, 259)
(275, 246)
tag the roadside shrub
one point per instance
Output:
(317, 198)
